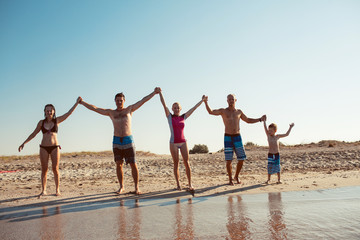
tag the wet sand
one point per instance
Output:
(89, 208)
(327, 164)
(322, 214)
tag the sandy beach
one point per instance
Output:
(323, 165)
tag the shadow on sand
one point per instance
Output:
(105, 200)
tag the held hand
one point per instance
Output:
(21, 147)
(263, 118)
(292, 125)
(157, 90)
(79, 100)
(205, 98)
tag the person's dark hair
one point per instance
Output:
(119, 95)
(50, 105)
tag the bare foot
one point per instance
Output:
(267, 182)
(191, 190)
(231, 183)
(279, 182)
(178, 188)
(42, 194)
(121, 190)
(137, 192)
(237, 180)
(58, 193)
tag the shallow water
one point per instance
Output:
(324, 214)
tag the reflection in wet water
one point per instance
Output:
(277, 226)
(238, 224)
(129, 222)
(51, 228)
(184, 223)
(297, 215)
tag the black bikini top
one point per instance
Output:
(53, 129)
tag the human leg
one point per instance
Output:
(55, 158)
(185, 155)
(229, 152)
(44, 158)
(274, 165)
(240, 155)
(123, 147)
(175, 156)
(120, 175)
(238, 169)
(278, 167)
(129, 155)
(135, 175)
(279, 181)
(119, 163)
(229, 171)
(268, 181)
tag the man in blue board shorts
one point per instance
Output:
(123, 142)
(232, 139)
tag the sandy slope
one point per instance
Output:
(304, 167)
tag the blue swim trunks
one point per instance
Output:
(234, 142)
(124, 148)
(273, 163)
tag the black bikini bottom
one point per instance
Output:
(49, 149)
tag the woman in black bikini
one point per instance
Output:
(49, 145)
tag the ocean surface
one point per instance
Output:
(322, 214)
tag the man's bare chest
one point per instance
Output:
(121, 117)
(232, 116)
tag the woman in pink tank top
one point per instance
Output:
(177, 138)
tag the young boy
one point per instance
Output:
(274, 156)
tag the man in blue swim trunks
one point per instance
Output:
(232, 139)
(123, 142)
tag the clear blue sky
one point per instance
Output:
(296, 61)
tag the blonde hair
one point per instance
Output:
(177, 104)
(273, 125)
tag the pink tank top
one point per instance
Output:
(177, 125)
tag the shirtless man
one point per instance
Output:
(232, 140)
(123, 142)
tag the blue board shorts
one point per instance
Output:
(234, 142)
(273, 163)
(124, 148)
